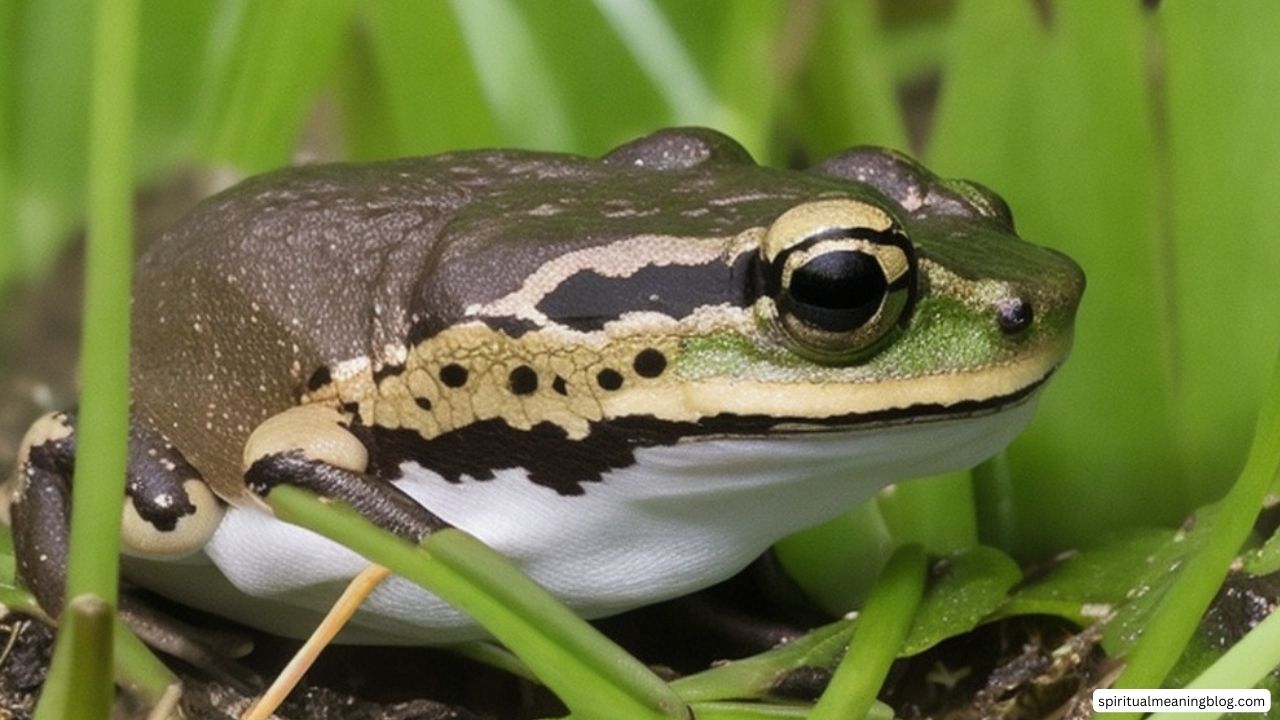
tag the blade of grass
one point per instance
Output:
(101, 439)
(882, 628)
(1180, 610)
(429, 90)
(1244, 665)
(937, 513)
(52, 42)
(92, 573)
(79, 680)
(139, 671)
(845, 95)
(9, 256)
(641, 26)
(591, 675)
(524, 96)
(755, 676)
(265, 87)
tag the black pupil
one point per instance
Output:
(838, 290)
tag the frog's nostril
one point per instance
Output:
(1013, 314)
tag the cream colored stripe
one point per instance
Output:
(620, 259)
(697, 399)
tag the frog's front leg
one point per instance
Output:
(310, 446)
(169, 511)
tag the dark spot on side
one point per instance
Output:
(649, 363)
(609, 379)
(523, 380)
(559, 386)
(422, 402)
(453, 375)
(319, 379)
(387, 371)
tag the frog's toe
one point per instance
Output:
(170, 511)
(309, 446)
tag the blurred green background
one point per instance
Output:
(1140, 138)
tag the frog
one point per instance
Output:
(630, 375)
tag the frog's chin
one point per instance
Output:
(680, 518)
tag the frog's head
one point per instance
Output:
(676, 294)
(900, 297)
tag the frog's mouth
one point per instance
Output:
(912, 414)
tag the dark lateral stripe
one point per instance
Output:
(555, 461)
(587, 300)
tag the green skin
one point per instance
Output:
(335, 289)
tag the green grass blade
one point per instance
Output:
(51, 116)
(1242, 666)
(845, 96)
(84, 659)
(273, 60)
(1019, 113)
(1222, 92)
(755, 677)
(936, 513)
(524, 95)
(1178, 614)
(10, 259)
(138, 670)
(79, 682)
(882, 628)
(429, 90)
(103, 419)
(591, 675)
(641, 26)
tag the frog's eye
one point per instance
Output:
(839, 277)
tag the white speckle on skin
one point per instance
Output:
(350, 368)
(395, 354)
(164, 500)
(168, 465)
(196, 327)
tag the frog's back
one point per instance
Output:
(285, 273)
